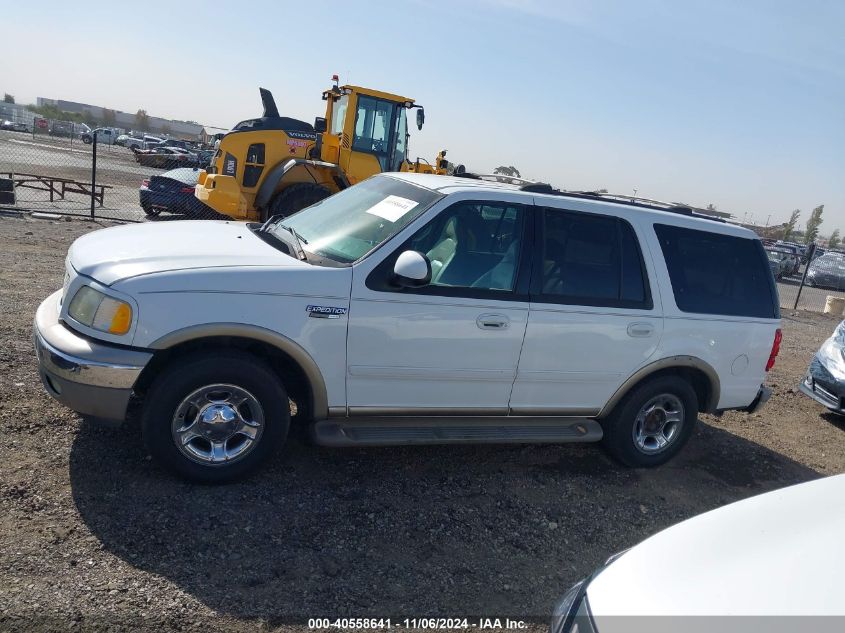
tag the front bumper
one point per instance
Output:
(90, 377)
(820, 385)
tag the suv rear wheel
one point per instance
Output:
(652, 423)
(215, 417)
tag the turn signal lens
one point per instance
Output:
(121, 320)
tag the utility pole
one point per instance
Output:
(767, 220)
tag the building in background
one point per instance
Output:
(127, 120)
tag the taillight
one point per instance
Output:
(775, 349)
(145, 182)
(187, 190)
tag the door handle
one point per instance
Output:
(640, 329)
(493, 322)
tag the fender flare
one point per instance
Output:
(670, 362)
(319, 395)
(277, 172)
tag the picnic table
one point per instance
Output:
(56, 185)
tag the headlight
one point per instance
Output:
(99, 311)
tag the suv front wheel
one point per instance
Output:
(215, 417)
(652, 423)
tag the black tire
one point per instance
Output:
(190, 373)
(86, 140)
(294, 198)
(150, 211)
(619, 427)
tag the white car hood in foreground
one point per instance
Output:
(781, 553)
(113, 254)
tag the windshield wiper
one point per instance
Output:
(298, 241)
(294, 232)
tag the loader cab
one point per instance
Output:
(367, 131)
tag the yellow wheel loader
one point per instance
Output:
(275, 165)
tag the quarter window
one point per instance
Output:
(590, 260)
(713, 273)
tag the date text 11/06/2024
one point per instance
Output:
(417, 623)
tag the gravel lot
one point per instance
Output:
(95, 536)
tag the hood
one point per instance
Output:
(114, 254)
(781, 553)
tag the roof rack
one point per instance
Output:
(511, 180)
(633, 201)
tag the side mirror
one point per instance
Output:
(412, 270)
(320, 125)
(420, 118)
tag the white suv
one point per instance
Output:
(414, 309)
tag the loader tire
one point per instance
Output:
(295, 198)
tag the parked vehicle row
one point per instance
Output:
(171, 157)
(14, 126)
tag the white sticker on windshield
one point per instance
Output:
(392, 208)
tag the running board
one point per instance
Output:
(405, 431)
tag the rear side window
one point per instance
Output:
(591, 260)
(718, 274)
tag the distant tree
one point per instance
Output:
(511, 171)
(88, 118)
(789, 227)
(834, 240)
(813, 224)
(142, 121)
(109, 117)
(165, 128)
(50, 111)
(7, 98)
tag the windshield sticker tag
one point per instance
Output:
(392, 208)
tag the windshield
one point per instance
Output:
(775, 256)
(829, 261)
(349, 224)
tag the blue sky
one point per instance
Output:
(736, 103)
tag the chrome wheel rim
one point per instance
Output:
(658, 423)
(217, 424)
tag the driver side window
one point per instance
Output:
(472, 245)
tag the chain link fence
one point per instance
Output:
(63, 167)
(809, 296)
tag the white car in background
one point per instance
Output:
(130, 142)
(747, 565)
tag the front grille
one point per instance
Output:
(824, 393)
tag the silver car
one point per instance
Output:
(828, 271)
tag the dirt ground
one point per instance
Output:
(95, 536)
